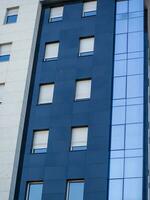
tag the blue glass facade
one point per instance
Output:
(109, 171)
(127, 133)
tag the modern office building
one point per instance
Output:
(74, 100)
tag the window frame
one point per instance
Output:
(77, 150)
(89, 13)
(7, 16)
(28, 184)
(73, 181)
(55, 19)
(87, 53)
(33, 133)
(83, 99)
(5, 56)
(40, 104)
(53, 58)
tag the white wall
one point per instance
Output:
(15, 73)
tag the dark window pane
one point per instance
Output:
(11, 19)
(35, 191)
(4, 58)
(75, 190)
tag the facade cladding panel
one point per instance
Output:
(60, 166)
(16, 47)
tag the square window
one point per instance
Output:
(2, 85)
(83, 89)
(75, 190)
(79, 138)
(89, 8)
(34, 191)
(56, 14)
(46, 93)
(40, 141)
(86, 46)
(11, 15)
(51, 51)
(5, 50)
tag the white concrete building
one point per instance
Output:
(14, 78)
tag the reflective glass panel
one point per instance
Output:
(118, 115)
(119, 87)
(135, 42)
(121, 26)
(134, 136)
(35, 191)
(135, 86)
(135, 66)
(133, 167)
(122, 7)
(116, 168)
(133, 189)
(115, 189)
(134, 114)
(136, 5)
(121, 43)
(117, 137)
(120, 68)
(136, 24)
(75, 190)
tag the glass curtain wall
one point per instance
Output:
(126, 151)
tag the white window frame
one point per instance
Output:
(1, 98)
(32, 183)
(73, 181)
(9, 44)
(8, 13)
(83, 147)
(86, 11)
(36, 132)
(77, 97)
(51, 99)
(55, 57)
(57, 18)
(90, 50)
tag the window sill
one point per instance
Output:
(57, 19)
(86, 54)
(80, 100)
(41, 104)
(50, 59)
